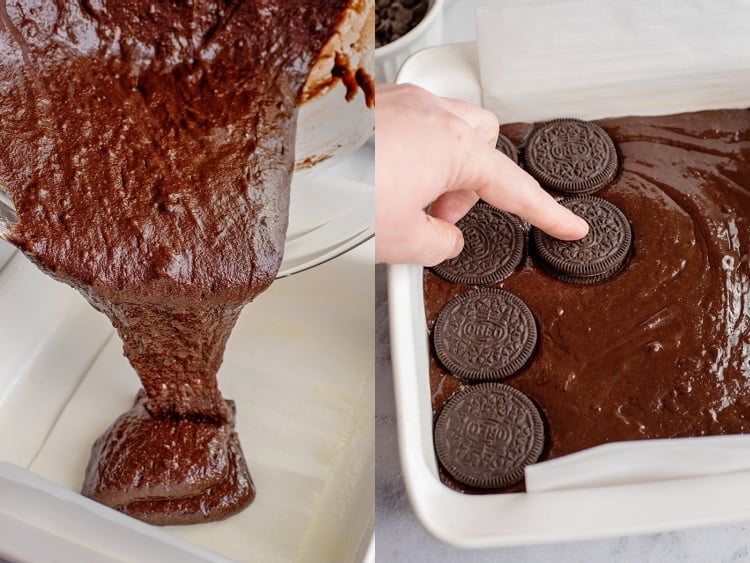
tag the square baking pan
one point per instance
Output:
(617, 78)
(299, 365)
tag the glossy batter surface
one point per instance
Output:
(148, 149)
(662, 349)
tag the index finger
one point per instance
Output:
(502, 183)
(483, 121)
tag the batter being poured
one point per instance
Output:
(148, 149)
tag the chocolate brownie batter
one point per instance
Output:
(662, 349)
(148, 150)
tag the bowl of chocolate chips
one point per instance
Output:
(403, 27)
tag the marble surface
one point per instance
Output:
(400, 536)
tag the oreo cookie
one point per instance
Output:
(571, 156)
(486, 434)
(597, 256)
(506, 146)
(493, 247)
(484, 335)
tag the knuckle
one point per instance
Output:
(489, 118)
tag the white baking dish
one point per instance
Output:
(580, 512)
(299, 365)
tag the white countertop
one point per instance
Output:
(400, 537)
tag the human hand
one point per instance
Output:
(434, 158)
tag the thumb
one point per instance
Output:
(435, 240)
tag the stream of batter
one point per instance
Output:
(148, 148)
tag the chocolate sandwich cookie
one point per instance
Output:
(506, 146)
(571, 156)
(484, 335)
(493, 247)
(597, 256)
(486, 434)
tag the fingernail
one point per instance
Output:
(584, 226)
(458, 245)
